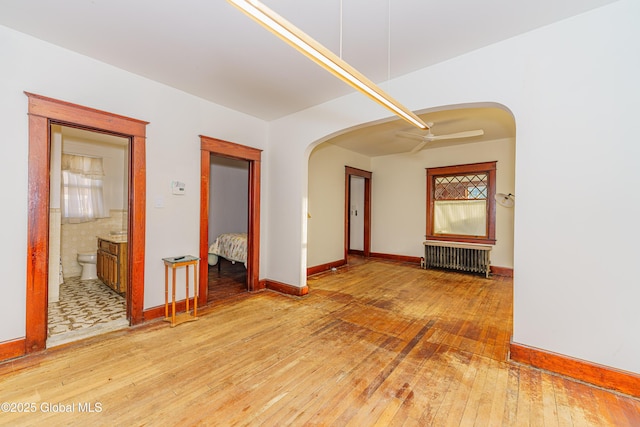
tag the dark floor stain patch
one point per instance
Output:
(382, 376)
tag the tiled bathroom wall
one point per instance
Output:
(80, 238)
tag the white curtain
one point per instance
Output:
(82, 195)
(465, 217)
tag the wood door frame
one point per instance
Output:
(42, 113)
(213, 146)
(348, 173)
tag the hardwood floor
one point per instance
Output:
(374, 343)
(227, 282)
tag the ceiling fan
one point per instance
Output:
(429, 137)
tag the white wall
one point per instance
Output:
(573, 90)
(577, 286)
(326, 201)
(54, 276)
(399, 196)
(229, 196)
(172, 149)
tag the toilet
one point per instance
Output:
(88, 263)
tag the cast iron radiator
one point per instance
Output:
(466, 257)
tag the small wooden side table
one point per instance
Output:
(174, 263)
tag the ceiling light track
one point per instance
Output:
(324, 57)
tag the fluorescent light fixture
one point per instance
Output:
(324, 57)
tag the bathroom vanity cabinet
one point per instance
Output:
(111, 263)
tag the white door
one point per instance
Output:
(356, 214)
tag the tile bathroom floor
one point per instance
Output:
(85, 308)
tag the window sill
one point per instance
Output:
(461, 239)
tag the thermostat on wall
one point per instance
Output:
(177, 187)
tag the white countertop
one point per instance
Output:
(114, 238)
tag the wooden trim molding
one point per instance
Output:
(486, 167)
(588, 372)
(399, 258)
(158, 311)
(286, 289)
(12, 349)
(230, 149)
(212, 146)
(205, 189)
(42, 113)
(358, 172)
(501, 271)
(67, 113)
(325, 267)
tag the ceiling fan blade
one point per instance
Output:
(419, 146)
(465, 134)
(410, 135)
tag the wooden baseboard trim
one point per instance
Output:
(588, 372)
(12, 349)
(158, 312)
(154, 313)
(262, 285)
(325, 267)
(286, 289)
(401, 258)
(501, 271)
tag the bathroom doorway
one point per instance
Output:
(43, 112)
(87, 216)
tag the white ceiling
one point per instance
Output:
(210, 49)
(382, 139)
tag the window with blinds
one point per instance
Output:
(460, 205)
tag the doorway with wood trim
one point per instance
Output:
(357, 229)
(43, 112)
(210, 148)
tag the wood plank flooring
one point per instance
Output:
(227, 282)
(374, 343)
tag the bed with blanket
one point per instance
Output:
(230, 246)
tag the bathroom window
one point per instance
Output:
(82, 195)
